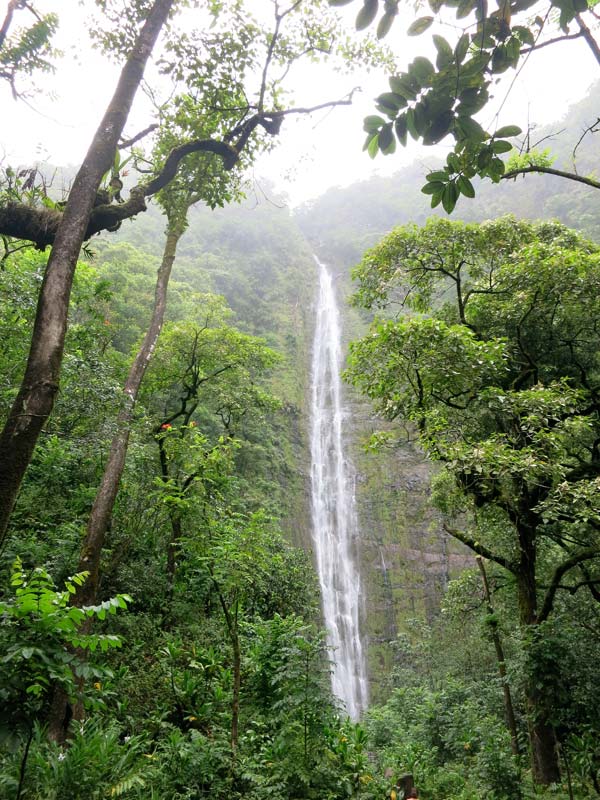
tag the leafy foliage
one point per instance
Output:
(431, 101)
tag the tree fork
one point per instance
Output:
(37, 393)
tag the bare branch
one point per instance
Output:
(551, 171)
(567, 37)
(40, 225)
(480, 549)
(593, 128)
(129, 142)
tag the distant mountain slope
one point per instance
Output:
(345, 221)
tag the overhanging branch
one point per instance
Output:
(572, 176)
(480, 549)
(39, 225)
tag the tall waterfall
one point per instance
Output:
(333, 509)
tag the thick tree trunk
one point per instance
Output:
(38, 390)
(544, 751)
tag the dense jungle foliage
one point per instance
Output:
(171, 646)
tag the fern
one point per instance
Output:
(123, 786)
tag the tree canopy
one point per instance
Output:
(497, 369)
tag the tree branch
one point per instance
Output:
(138, 136)
(566, 38)
(480, 549)
(7, 21)
(570, 563)
(39, 225)
(572, 176)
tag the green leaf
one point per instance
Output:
(465, 186)
(339, 2)
(373, 123)
(369, 139)
(391, 100)
(462, 48)
(439, 128)
(524, 34)
(402, 84)
(401, 129)
(497, 169)
(423, 70)
(464, 8)
(501, 59)
(410, 124)
(507, 130)
(367, 14)
(445, 53)
(373, 147)
(435, 187)
(500, 146)
(385, 24)
(449, 197)
(438, 175)
(386, 139)
(470, 129)
(420, 26)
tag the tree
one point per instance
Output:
(498, 372)
(430, 102)
(35, 399)
(210, 371)
(192, 58)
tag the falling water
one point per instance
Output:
(333, 509)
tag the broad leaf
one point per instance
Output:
(367, 14)
(420, 26)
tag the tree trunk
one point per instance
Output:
(237, 683)
(102, 509)
(36, 395)
(101, 514)
(543, 743)
(509, 711)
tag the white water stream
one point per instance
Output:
(333, 509)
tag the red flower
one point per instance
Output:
(165, 426)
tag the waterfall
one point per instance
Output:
(333, 509)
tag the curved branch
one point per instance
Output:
(227, 152)
(572, 176)
(570, 563)
(480, 549)
(39, 225)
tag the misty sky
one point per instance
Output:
(326, 150)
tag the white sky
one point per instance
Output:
(325, 150)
